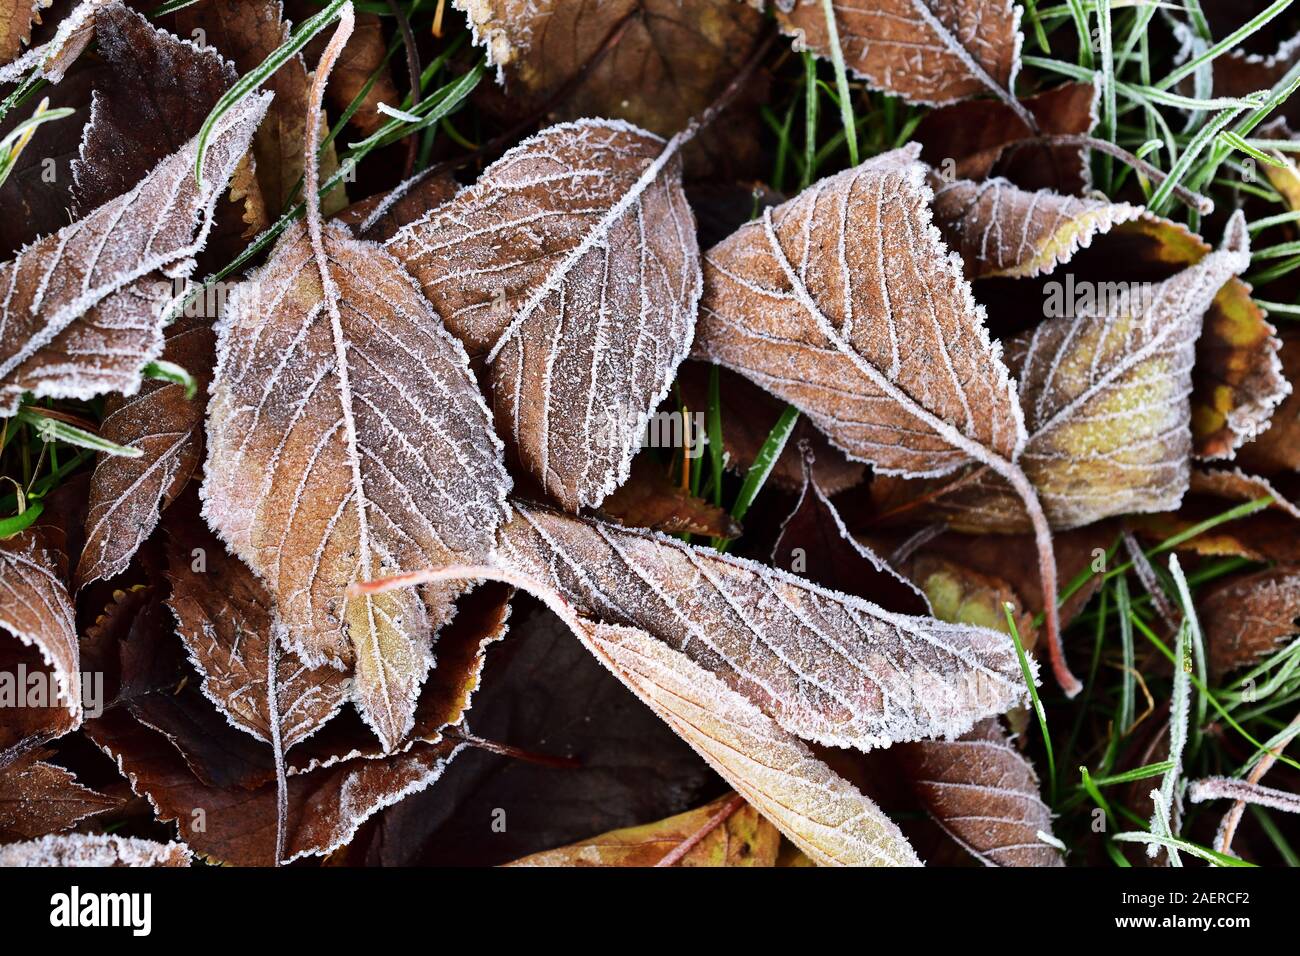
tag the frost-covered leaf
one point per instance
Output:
(75, 321)
(127, 494)
(226, 619)
(1247, 618)
(346, 440)
(655, 63)
(1001, 230)
(381, 217)
(926, 51)
(1106, 396)
(325, 807)
(827, 666)
(156, 93)
(650, 499)
(572, 263)
(726, 832)
(37, 797)
(965, 596)
(50, 61)
(824, 814)
(16, 20)
(37, 611)
(1277, 448)
(814, 543)
(80, 849)
(984, 793)
(844, 302)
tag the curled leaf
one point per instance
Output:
(81, 849)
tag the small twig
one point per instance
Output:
(1228, 826)
(691, 842)
(412, 68)
(277, 746)
(1201, 204)
(1150, 582)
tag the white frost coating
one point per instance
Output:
(36, 608)
(79, 849)
(52, 58)
(94, 263)
(573, 265)
(1002, 230)
(279, 487)
(826, 666)
(821, 812)
(1168, 802)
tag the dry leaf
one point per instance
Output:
(1277, 448)
(654, 63)
(892, 361)
(346, 440)
(965, 596)
(36, 609)
(325, 806)
(79, 849)
(75, 322)
(127, 494)
(1246, 618)
(649, 499)
(226, 620)
(51, 60)
(157, 92)
(381, 217)
(828, 667)
(976, 139)
(572, 263)
(926, 51)
(1001, 230)
(17, 18)
(825, 815)
(984, 793)
(726, 832)
(37, 798)
(1106, 397)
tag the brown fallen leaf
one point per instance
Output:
(654, 63)
(237, 826)
(893, 362)
(572, 264)
(964, 596)
(1248, 617)
(225, 617)
(17, 17)
(926, 51)
(37, 797)
(79, 849)
(51, 60)
(1277, 448)
(1106, 397)
(828, 667)
(1001, 230)
(76, 322)
(976, 139)
(128, 494)
(821, 812)
(726, 832)
(814, 543)
(649, 499)
(984, 793)
(36, 611)
(154, 98)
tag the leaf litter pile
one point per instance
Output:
(649, 432)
